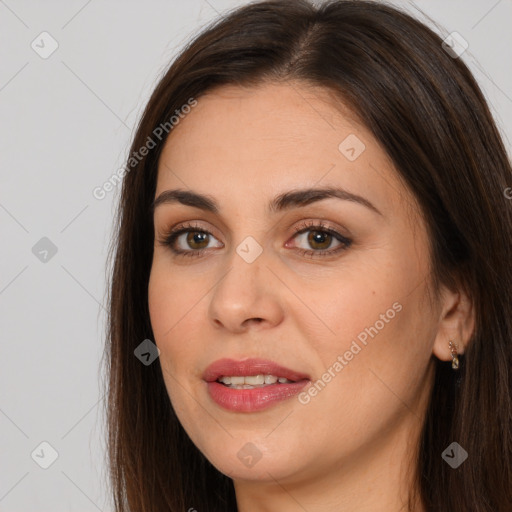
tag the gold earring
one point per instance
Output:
(455, 358)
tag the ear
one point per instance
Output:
(456, 323)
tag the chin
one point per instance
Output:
(263, 471)
(255, 458)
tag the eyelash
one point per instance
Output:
(170, 237)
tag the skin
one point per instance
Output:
(350, 447)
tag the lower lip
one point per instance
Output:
(251, 400)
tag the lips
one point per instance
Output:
(253, 399)
(250, 367)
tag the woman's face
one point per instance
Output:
(344, 306)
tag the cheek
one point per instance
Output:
(169, 300)
(379, 331)
(367, 387)
(349, 305)
(173, 328)
(172, 318)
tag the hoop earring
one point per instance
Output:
(455, 358)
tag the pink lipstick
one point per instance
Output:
(252, 384)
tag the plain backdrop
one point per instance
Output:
(67, 119)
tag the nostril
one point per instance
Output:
(249, 321)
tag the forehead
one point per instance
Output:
(259, 140)
(288, 118)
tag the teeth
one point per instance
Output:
(252, 381)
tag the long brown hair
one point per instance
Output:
(428, 113)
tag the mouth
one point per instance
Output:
(254, 372)
(252, 384)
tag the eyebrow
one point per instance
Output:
(284, 201)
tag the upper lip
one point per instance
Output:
(248, 367)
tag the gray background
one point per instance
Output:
(66, 126)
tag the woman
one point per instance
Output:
(311, 293)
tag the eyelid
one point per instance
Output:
(344, 241)
(169, 235)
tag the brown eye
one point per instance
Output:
(319, 239)
(193, 240)
(188, 240)
(197, 239)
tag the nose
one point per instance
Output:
(246, 294)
